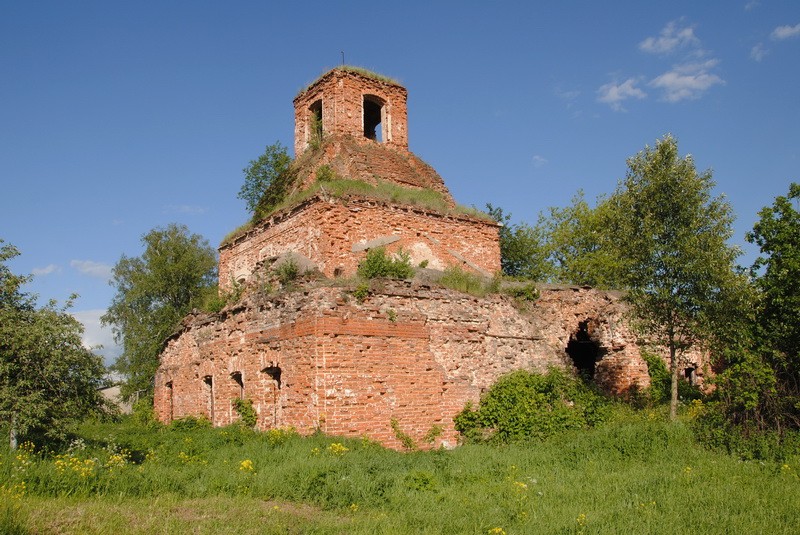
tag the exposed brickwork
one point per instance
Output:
(368, 161)
(332, 233)
(409, 352)
(341, 94)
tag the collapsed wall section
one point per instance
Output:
(335, 234)
(318, 359)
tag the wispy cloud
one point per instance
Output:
(614, 94)
(538, 160)
(785, 32)
(47, 270)
(752, 4)
(92, 268)
(671, 38)
(758, 52)
(95, 334)
(184, 209)
(687, 81)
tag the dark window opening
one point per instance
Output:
(373, 118)
(275, 374)
(690, 375)
(208, 381)
(237, 378)
(583, 351)
(315, 120)
(169, 400)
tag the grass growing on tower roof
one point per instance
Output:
(354, 69)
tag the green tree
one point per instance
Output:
(48, 379)
(674, 257)
(776, 273)
(176, 273)
(267, 180)
(522, 247)
(580, 244)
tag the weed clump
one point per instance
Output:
(378, 264)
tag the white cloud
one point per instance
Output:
(614, 94)
(94, 334)
(538, 160)
(752, 4)
(758, 52)
(687, 81)
(184, 209)
(52, 268)
(785, 32)
(91, 268)
(671, 38)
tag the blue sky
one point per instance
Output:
(116, 118)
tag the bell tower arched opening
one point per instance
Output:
(374, 118)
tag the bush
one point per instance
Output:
(523, 405)
(244, 408)
(378, 265)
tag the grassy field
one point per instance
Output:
(637, 474)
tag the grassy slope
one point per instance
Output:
(636, 475)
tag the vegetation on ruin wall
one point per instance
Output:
(358, 70)
(635, 474)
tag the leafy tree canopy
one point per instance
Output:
(48, 379)
(522, 247)
(176, 272)
(267, 180)
(674, 257)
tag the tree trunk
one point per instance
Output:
(12, 435)
(673, 366)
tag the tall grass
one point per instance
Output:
(638, 474)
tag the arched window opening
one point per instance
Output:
(315, 122)
(170, 399)
(584, 352)
(274, 372)
(690, 374)
(374, 111)
(237, 378)
(208, 383)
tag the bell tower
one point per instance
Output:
(351, 102)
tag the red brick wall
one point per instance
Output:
(407, 352)
(342, 93)
(326, 232)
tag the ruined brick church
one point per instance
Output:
(412, 352)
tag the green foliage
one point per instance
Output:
(405, 439)
(432, 434)
(377, 264)
(361, 292)
(456, 278)
(522, 247)
(777, 329)
(581, 243)
(673, 253)
(244, 408)
(48, 379)
(524, 291)
(175, 274)
(190, 423)
(184, 481)
(523, 406)
(287, 272)
(660, 378)
(326, 174)
(267, 180)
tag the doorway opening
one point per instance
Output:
(584, 352)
